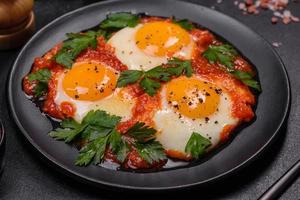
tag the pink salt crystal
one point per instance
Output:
(242, 6)
(286, 20)
(295, 19)
(274, 20)
(276, 44)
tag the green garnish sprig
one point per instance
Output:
(42, 77)
(185, 24)
(225, 54)
(77, 42)
(197, 145)
(98, 131)
(150, 81)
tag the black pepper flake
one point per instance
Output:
(225, 98)
(190, 103)
(169, 102)
(216, 122)
(207, 94)
(205, 82)
(76, 96)
(218, 91)
(206, 119)
(200, 100)
(176, 106)
(101, 90)
(184, 97)
(137, 42)
(209, 138)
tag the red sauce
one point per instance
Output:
(146, 106)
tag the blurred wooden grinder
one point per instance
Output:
(16, 22)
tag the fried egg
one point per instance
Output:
(151, 44)
(191, 105)
(91, 86)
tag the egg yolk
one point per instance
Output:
(89, 81)
(192, 98)
(161, 38)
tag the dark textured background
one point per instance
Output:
(27, 177)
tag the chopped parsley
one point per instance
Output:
(150, 80)
(197, 145)
(225, 55)
(42, 77)
(98, 130)
(185, 24)
(77, 42)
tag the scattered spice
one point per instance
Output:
(278, 7)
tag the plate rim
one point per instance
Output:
(104, 184)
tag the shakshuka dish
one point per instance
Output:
(138, 91)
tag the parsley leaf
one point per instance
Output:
(93, 151)
(42, 76)
(141, 132)
(76, 43)
(247, 79)
(150, 80)
(151, 151)
(94, 124)
(224, 54)
(98, 129)
(128, 77)
(184, 23)
(197, 145)
(119, 20)
(150, 86)
(118, 145)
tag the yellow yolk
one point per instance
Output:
(161, 38)
(192, 98)
(89, 81)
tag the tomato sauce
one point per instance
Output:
(146, 106)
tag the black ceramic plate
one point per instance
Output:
(271, 110)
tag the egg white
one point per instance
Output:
(174, 130)
(129, 54)
(115, 104)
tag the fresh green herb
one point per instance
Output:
(129, 77)
(247, 79)
(150, 86)
(94, 151)
(224, 54)
(141, 132)
(184, 23)
(197, 145)
(98, 130)
(150, 80)
(42, 76)
(94, 124)
(119, 20)
(118, 145)
(76, 43)
(151, 151)
(144, 136)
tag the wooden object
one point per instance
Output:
(17, 22)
